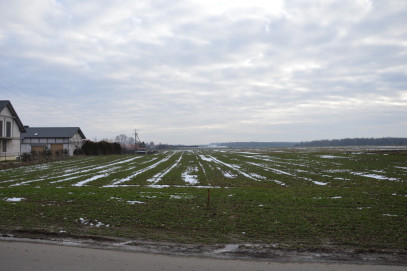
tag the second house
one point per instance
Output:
(56, 139)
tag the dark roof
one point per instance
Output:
(7, 103)
(52, 132)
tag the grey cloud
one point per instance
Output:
(187, 74)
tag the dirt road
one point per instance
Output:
(26, 256)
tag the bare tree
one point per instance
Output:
(122, 139)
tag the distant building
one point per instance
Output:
(55, 139)
(11, 128)
(128, 148)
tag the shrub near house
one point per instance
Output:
(99, 148)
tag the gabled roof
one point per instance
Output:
(52, 132)
(7, 103)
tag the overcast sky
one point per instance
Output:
(196, 72)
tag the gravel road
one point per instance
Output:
(29, 256)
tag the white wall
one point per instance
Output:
(74, 143)
(13, 144)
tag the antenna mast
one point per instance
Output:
(136, 138)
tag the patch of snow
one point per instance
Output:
(82, 183)
(27, 182)
(181, 197)
(146, 196)
(319, 183)
(227, 248)
(14, 199)
(336, 170)
(258, 176)
(88, 222)
(207, 159)
(229, 175)
(331, 156)
(271, 169)
(135, 202)
(188, 178)
(315, 182)
(374, 176)
(280, 183)
(245, 152)
(389, 215)
(301, 170)
(158, 185)
(8, 181)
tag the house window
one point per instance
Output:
(1, 128)
(8, 129)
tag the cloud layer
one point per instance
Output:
(196, 72)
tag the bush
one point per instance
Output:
(25, 157)
(100, 148)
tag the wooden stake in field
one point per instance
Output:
(208, 199)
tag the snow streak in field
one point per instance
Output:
(374, 176)
(229, 175)
(81, 183)
(74, 172)
(27, 182)
(128, 178)
(270, 169)
(202, 168)
(234, 167)
(157, 177)
(285, 173)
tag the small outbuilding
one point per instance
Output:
(11, 128)
(56, 139)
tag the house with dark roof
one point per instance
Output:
(56, 139)
(11, 128)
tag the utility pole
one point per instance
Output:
(137, 141)
(136, 138)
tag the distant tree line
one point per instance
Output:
(385, 141)
(256, 144)
(99, 148)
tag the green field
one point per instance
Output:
(293, 198)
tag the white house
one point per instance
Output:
(55, 139)
(11, 128)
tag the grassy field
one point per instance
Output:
(298, 198)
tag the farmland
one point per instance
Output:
(292, 198)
